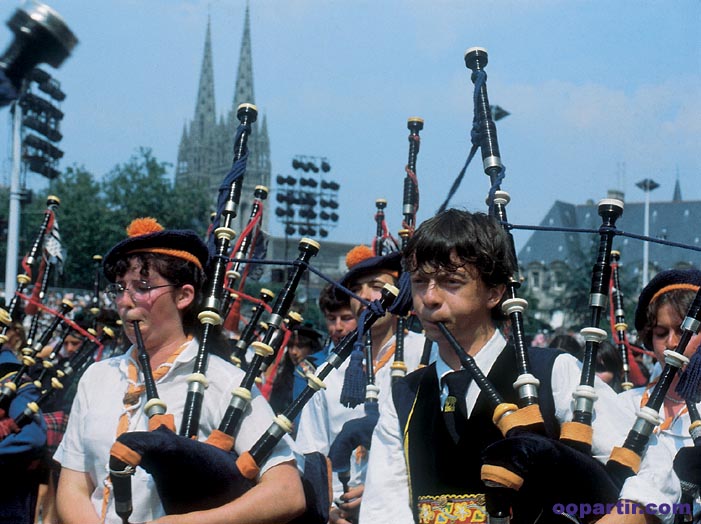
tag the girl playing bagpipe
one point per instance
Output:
(157, 277)
(662, 306)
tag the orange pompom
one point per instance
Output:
(357, 255)
(143, 226)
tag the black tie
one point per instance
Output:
(455, 408)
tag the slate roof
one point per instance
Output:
(677, 221)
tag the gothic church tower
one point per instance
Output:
(206, 147)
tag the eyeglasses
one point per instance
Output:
(138, 291)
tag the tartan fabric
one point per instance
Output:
(55, 428)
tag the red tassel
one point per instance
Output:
(31, 307)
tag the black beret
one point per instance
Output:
(306, 330)
(391, 262)
(179, 243)
(664, 279)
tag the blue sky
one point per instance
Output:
(601, 93)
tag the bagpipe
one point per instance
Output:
(687, 464)
(55, 377)
(235, 275)
(29, 356)
(227, 210)
(516, 469)
(383, 243)
(251, 329)
(632, 376)
(410, 206)
(30, 259)
(49, 374)
(525, 462)
(32, 348)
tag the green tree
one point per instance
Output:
(139, 188)
(191, 206)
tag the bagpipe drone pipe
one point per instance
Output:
(529, 457)
(95, 299)
(410, 206)
(687, 463)
(250, 237)
(632, 376)
(34, 254)
(227, 209)
(250, 330)
(383, 243)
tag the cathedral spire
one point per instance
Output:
(677, 190)
(244, 77)
(205, 113)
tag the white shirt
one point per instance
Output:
(323, 417)
(92, 428)
(386, 496)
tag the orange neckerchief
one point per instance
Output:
(667, 422)
(385, 358)
(131, 399)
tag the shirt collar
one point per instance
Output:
(484, 358)
(187, 355)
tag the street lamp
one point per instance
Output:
(31, 152)
(648, 185)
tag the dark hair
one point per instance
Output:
(311, 343)
(332, 300)
(475, 238)
(678, 299)
(569, 344)
(176, 271)
(609, 358)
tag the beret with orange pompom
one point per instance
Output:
(146, 235)
(361, 260)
